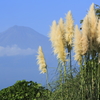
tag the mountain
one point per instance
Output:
(22, 36)
(18, 50)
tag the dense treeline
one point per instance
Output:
(24, 90)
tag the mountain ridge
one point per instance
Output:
(19, 39)
(22, 36)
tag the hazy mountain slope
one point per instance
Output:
(22, 36)
(18, 67)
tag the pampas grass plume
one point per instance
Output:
(85, 35)
(52, 34)
(92, 21)
(85, 26)
(77, 45)
(62, 30)
(69, 28)
(85, 44)
(59, 48)
(61, 25)
(98, 33)
(41, 61)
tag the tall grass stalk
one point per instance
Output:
(98, 81)
(82, 79)
(70, 64)
(47, 78)
(65, 72)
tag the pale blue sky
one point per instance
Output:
(39, 14)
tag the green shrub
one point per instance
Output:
(24, 90)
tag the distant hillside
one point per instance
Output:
(18, 50)
(24, 37)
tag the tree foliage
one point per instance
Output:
(24, 90)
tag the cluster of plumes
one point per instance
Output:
(61, 36)
(41, 61)
(90, 35)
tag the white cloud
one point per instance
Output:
(15, 50)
